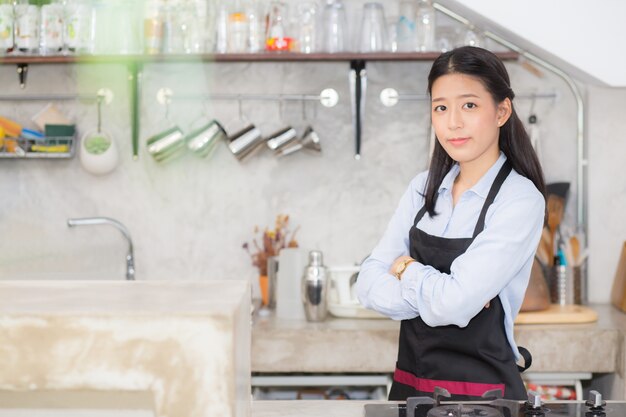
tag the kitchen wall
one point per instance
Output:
(607, 186)
(189, 218)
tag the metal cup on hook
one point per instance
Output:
(285, 135)
(203, 140)
(167, 144)
(247, 139)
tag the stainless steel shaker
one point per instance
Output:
(314, 288)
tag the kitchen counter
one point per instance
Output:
(185, 343)
(370, 346)
(309, 408)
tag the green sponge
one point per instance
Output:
(53, 131)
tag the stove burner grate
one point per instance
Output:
(463, 410)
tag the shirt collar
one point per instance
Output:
(483, 185)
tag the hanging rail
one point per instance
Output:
(389, 97)
(103, 94)
(328, 97)
(581, 161)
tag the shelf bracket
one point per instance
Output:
(22, 72)
(358, 87)
(135, 70)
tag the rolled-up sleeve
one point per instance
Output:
(497, 255)
(376, 288)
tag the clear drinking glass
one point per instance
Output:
(447, 39)
(373, 35)
(334, 31)
(473, 37)
(221, 28)
(307, 31)
(255, 31)
(425, 26)
(7, 25)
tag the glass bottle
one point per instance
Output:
(406, 34)
(79, 26)
(27, 26)
(51, 31)
(425, 26)
(277, 38)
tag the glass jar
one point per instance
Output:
(51, 31)
(7, 25)
(152, 28)
(237, 32)
(79, 27)
(27, 28)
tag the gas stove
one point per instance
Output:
(495, 406)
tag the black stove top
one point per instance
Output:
(432, 407)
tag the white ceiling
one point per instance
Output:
(586, 39)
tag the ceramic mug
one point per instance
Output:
(341, 287)
(98, 153)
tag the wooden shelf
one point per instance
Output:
(260, 57)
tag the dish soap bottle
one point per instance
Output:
(314, 288)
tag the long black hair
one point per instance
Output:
(513, 141)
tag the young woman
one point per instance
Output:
(455, 259)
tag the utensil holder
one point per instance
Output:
(568, 284)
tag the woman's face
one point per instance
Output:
(466, 119)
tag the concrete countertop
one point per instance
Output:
(370, 346)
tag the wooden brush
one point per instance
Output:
(555, 216)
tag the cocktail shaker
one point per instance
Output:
(314, 288)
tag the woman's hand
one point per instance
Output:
(399, 265)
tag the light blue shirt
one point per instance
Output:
(497, 263)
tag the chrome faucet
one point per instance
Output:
(90, 221)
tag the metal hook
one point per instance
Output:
(99, 105)
(281, 108)
(532, 102)
(239, 107)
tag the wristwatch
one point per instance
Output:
(401, 267)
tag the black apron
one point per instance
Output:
(466, 361)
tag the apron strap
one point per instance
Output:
(495, 187)
(528, 358)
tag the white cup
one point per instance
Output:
(98, 153)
